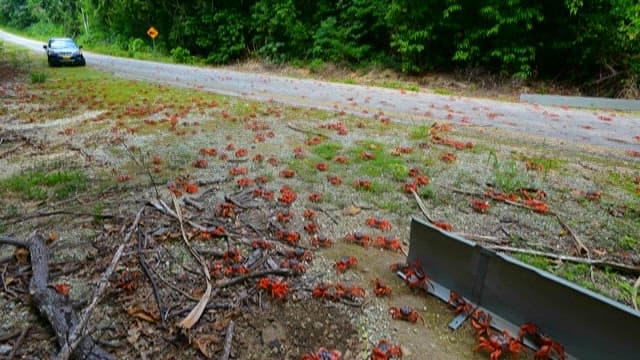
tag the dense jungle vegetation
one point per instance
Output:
(595, 43)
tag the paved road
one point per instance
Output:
(598, 128)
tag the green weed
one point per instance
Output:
(507, 176)
(40, 185)
(420, 132)
(326, 150)
(98, 211)
(37, 77)
(443, 91)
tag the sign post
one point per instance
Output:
(153, 33)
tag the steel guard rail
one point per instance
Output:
(588, 325)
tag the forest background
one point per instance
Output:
(594, 44)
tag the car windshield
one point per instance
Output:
(64, 43)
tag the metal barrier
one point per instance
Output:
(588, 325)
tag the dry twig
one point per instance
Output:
(228, 341)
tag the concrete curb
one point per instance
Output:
(582, 102)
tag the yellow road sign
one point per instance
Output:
(152, 32)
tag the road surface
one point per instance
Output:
(601, 129)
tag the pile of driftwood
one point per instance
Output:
(221, 245)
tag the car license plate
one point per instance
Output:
(66, 57)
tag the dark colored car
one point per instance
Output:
(61, 51)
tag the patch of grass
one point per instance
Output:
(398, 85)
(383, 164)
(628, 243)
(40, 185)
(37, 77)
(420, 132)
(326, 150)
(443, 91)
(98, 211)
(507, 176)
(535, 261)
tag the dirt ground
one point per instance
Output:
(125, 136)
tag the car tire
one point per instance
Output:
(82, 62)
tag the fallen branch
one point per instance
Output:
(18, 343)
(422, 207)
(77, 333)
(228, 340)
(52, 213)
(239, 279)
(147, 273)
(582, 250)
(54, 306)
(623, 268)
(308, 132)
(197, 311)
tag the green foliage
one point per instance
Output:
(40, 185)
(37, 77)
(181, 55)
(520, 38)
(507, 176)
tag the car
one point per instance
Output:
(61, 51)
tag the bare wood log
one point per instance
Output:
(228, 341)
(422, 207)
(147, 273)
(54, 306)
(77, 333)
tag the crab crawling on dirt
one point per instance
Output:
(546, 345)
(379, 222)
(498, 344)
(345, 263)
(385, 351)
(380, 288)
(458, 304)
(413, 274)
(323, 354)
(406, 313)
(278, 289)
(389, 242)
(480, 322)
(358, 237)
(320, 240)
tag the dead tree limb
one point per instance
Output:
(55, 307)
(78, 333)
(228, 341)
(147, 273)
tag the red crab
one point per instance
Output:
(385, 351)
(389, 242)
(261, 179)
(537, 206)
(191, 188)
(125, 177)
(309, 214)
(413, 274)
(421, 180)
(242, 152)
(313, 141)
(480, 322)
(406, 313)
(480, 206)
(409, 187)
(273, 161)
(235, 171)
(359, 238)
(448, 157)
(458, 304)
(128, 280)
(498, 344)
(380, 288)
(244, 182)
(284, 216)
(291, 237)
(201, 164)
(287, 173)
(311, 228)
(366, 155)
(379, 222)
(530, 165)
(345, 263)
(294, 265)
(232, 256)
(235, 269)
(261, 244)
(593, 195)
(362, 184)
(321, 290)
(323, 354)
(226, 209)
(320, 240)
(257, 158)
(315, 197)
(300, 254)
(321, 166)
(299, 153)
(546, 345)
(209, 152)
(414, 171)
(443, 225)
(334, 180)
(287, 196)
(278, 289)
(351, 291)
(340, 159)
